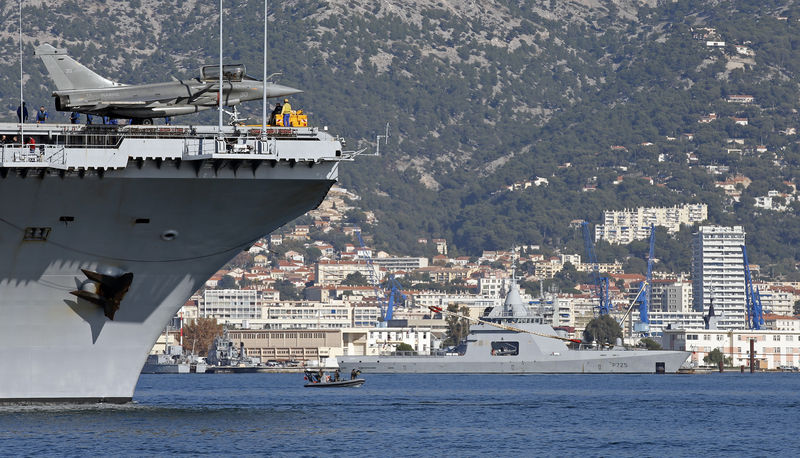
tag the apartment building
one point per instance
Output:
(625, 226)
(718, 274)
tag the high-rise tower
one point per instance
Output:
(718, 274)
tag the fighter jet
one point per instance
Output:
(80, 89)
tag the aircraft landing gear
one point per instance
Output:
(147, 121)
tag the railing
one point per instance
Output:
(33, 155)
(230, 145)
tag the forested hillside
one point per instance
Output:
(480, 96)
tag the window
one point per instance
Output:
(776, 338)
(503, 348)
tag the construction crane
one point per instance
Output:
(394, 291)
(601, 284)
(755, 316)
(387, 303)
(643, 325)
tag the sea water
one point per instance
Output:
(424, 415)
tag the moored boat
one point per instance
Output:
(511, 340)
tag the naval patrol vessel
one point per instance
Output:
(106, 230)
(512, 340)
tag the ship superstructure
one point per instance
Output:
(106, 230)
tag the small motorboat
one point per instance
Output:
(341, 383)
(322, 380)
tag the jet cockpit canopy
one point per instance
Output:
(233, 72)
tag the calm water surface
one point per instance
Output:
(425, 415)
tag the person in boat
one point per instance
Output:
(336, 376)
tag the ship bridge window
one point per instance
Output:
(234, 72)
(504, 348)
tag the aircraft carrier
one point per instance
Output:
(105, 231)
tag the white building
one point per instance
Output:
(232, 305)
(677, 297)
(334, 272)
(772, 348)
(625, 226)
(395, 264)
(718, 274)
(315, 315)
(776, 301)
(384, 341)
(491, 285)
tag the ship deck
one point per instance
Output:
(77, 146)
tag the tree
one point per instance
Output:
(287, 291)
(355, 279)
(650, 344)
(603, 329)
(715, 356)
(199, 334)
(457, 328)
(226, 282)
(404, 347)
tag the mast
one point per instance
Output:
(264, 112)
(21, 83)
(220, 68)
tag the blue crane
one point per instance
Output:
(386, 303)
(601, 284)
(394, 290)
(644, 305)
(755, 315)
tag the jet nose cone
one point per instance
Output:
(276, 90)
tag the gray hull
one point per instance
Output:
(169, 218)
(537, 350)
(594, 362)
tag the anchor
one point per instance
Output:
(108, 290)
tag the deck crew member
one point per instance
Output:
(286, 111)
(22, 113)
(274, 115)
(41, 115)
(74, 117)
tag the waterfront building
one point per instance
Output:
(718, 274)
(285, 345)
(232, 304)
(773, 348)
(384, 341)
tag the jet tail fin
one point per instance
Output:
(67, 73)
